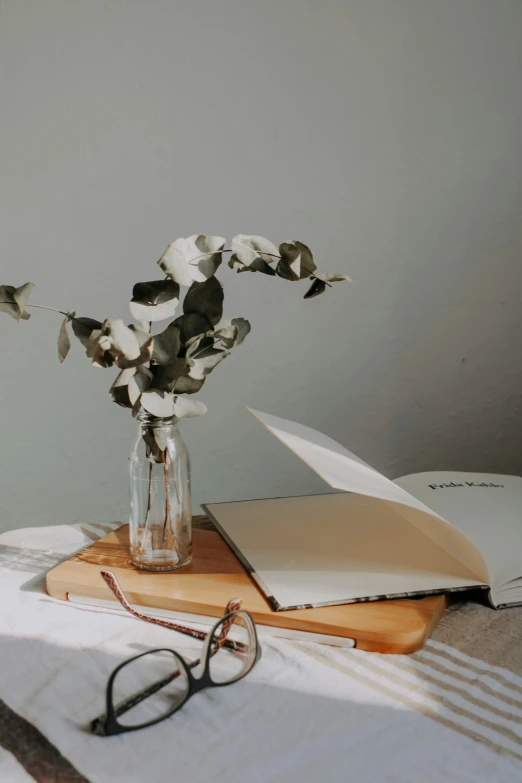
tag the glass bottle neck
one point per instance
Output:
(146, 420)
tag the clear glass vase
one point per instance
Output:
(161, 512)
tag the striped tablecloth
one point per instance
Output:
(451, 712)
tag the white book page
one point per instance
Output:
(332, 549)
(490, 515)
(345, 471)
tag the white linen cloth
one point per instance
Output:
(306, 713)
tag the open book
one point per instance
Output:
(420, 534)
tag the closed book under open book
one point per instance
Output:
(426, 533)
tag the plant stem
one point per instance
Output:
(215, 252)
(44, 307)
(167, 495)
(149, 498)
(52, 309)
(174, 480)
(168, 517)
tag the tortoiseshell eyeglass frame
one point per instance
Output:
(108, 724)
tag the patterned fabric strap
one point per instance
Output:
(233, 606)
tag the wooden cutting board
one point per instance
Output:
(216, 575)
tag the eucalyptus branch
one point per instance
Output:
(160, 372)
(199, 330)
(52, 309)
(226, 250)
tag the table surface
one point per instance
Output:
(216, 574)
(306, 713)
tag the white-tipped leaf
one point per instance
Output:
(186, 408)
(232, 332)
(119, 390)
(138, 383)
(192, 259)
(243, 329)
(120, 339)
(158, 403)
(318, 287)
(206, 255)
(64, 342)
(84, 327)
(205, 299)
(296, 261)
(117, 343)
(166, 345)
(154, 300)
(247, 248)
(21, 296)
(202, 357)
(332, 278)
(14, 300)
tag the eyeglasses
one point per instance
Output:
(152, 686)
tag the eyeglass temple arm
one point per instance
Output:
(233, 605)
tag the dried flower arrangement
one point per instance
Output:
(159, 372)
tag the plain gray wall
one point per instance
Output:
(386, 134)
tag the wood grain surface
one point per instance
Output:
(216, 575)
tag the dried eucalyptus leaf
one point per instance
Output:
(317, 287)
(154, 300)
(191, 325)
(166, 375)
(202, 357)
(192, 259)
(145, 344)
(161, 436)
(243, 329)
(188, 409)
(285, 271)
(136, 408)
(100, 357)
(231, 333)
(332, 278)
(64, 343)
(158, 403)
(226, 332)
(155, 292)
(139, 382)
(153, 450)
(123, 341)
(120, 396)
(210, 256)
(83, 328)
(119, 390)
(248, 251)
(296, 261)
(7, 302)
(115, 342)
(199, 345)
(256, 266)
(21, 296)
(205, 299)
(13, 300)
(175, 264)
(166, 345)
(184, 384)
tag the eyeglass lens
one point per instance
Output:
(227, 665)
(158, 672)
